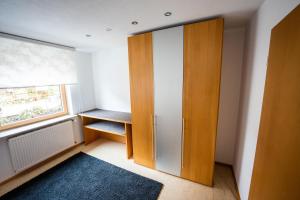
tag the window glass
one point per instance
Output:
(30, 103)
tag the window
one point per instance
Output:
(22, 106)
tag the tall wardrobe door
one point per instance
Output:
(202, 69)
(276, 172)
(141, 89)
(168, 78)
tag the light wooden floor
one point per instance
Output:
(174, 187)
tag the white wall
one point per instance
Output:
(111, 78)
(254, 74)
(82, 94)
(112, 90)
(233, 48)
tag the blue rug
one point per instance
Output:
(83, 177)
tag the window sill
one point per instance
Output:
(35, 126)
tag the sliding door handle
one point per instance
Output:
(182, 143)
(153, 124)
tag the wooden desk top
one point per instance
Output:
(108, 115)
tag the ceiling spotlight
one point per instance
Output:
(108, 29)
(88, 35)
(167, 14)
(134, 22)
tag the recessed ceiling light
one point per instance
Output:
(108, 29)
(167, 14)
(134, 22)
(88, 35)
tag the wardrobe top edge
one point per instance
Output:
(175, 25)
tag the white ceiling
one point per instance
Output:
(68, 21)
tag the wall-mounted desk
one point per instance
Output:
(108, 124)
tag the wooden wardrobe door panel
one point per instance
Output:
(141, 88)
(276, 173)
(202, 70)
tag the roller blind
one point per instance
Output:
(25, 64)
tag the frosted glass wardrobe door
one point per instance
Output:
(168, 79)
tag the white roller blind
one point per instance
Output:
(24, 64)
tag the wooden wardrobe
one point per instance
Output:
(174, 82)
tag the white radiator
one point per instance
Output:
(32, 148)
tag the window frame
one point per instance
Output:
(43, 118)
